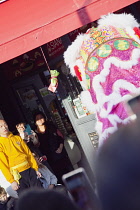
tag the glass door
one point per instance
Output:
(29, 101)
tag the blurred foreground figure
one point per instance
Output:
(118, 170)
(44, 200)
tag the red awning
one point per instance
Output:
(27, 24)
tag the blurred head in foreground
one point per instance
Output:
(118, 170)
(41, 199)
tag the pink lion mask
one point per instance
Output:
(106, 60)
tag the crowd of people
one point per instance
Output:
(39, 160)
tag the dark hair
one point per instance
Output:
(2, 191)
(38, 113)
(1, 118)
(44, 200)
(20, 124)
(118, 170)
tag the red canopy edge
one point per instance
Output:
(60, 26)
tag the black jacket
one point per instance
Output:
(50, 142)
(9, 205)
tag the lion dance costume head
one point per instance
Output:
(106, 60)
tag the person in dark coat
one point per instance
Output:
(51, 144)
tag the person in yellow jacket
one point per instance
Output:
(16, 161)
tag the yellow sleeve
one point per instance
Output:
(30, 157)
(4, 166)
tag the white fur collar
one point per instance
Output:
(118, 20)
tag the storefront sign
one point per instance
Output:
(54, 48)
(23, 64)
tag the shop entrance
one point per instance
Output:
(31, 96)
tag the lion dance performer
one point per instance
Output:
(106, 60)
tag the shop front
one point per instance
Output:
(28, 76)
(26, 72)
